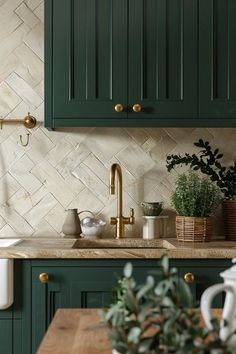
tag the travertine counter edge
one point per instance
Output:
(62, 249)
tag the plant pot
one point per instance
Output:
(194, 229)
(229, 215)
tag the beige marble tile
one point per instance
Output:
(26, 15)
(40, 210)
(39, 11)
(33, 4)
(54, 183)
(21, 171)
(34, 40)
(30, 68)
(9, 99)
(23, 90)
(135, 160)
(104, 143)
(15, 221)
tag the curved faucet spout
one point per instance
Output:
(119, 220)
(116, 169)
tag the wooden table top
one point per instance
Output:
(72, 332)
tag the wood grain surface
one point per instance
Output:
(72, 332)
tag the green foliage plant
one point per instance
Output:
(195, 196)
(154, 317)
(208, 161)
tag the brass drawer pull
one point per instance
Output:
(137, 108)
(43, 277)
(119, 108)
(189, 278)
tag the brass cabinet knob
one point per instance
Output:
(189, 278)
(119, 108)
(137, 108)
(43, 277)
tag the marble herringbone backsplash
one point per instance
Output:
(70, 168)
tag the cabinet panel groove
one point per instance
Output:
(220, 40)
(176, 58)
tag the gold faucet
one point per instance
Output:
(120, 220)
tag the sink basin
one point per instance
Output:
(122, 243)
(6, 276)
(8, 242)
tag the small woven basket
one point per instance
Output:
(194, 229)
(229, 214)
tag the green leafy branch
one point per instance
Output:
(208, 162)
(155, 317)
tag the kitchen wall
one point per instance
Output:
(70, 168)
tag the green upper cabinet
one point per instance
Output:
(89, 58)
(163, 58)
(217, 58)
(140, 63)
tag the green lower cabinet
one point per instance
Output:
(6, 336)
(11, 318)
(91, 284)
(68, 286)
(201, 275)
(80, 284)
(74, 284)
(10, 336)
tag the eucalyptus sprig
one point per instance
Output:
(208, 161)
(155, 317)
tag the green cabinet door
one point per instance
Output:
(173, 61)
(86, 61)
(100, 53)
(75, 284)
(163, 58)
(217, 58)
(91, 284)
(10, 319)
(205, 273)
(6, 336)
(68, 287)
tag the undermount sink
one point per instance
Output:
(8, 242)
(122, 243)
(6, 276)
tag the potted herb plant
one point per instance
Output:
(154, 317)
(208, 161)
(194, 200)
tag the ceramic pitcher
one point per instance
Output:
(71, 226)
(228, 321)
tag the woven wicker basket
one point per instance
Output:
(229, 214)
(193, 229)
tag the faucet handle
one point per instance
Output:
(113, 221)
(131, 216)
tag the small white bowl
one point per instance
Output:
(92, 227)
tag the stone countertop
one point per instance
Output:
(57, 248)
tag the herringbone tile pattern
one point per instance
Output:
(70, 168)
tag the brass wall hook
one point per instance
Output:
(29, 122)
(27, 141)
